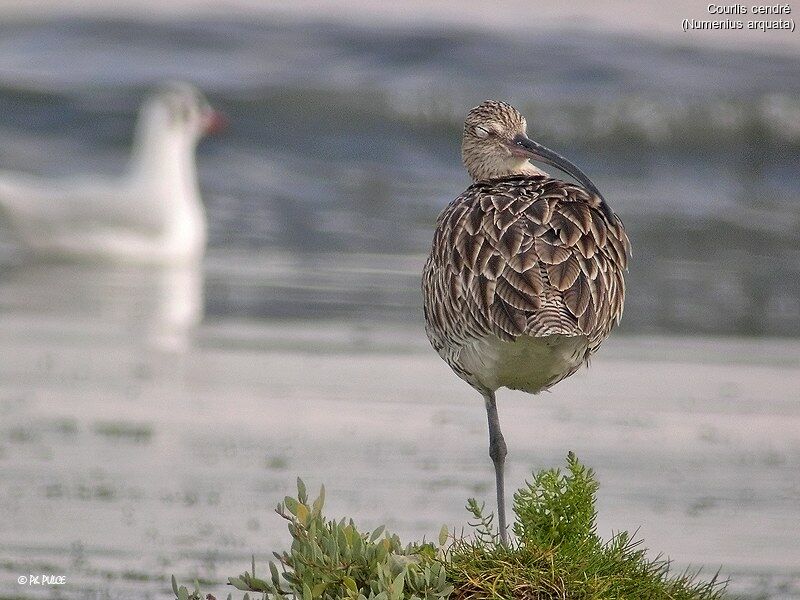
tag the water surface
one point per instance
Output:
(345, 139)
(132, 447)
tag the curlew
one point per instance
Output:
(525, 277)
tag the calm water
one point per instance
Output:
(345, 141)
(150, 419)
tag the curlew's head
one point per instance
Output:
(495, 144)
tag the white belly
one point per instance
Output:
(530, 364)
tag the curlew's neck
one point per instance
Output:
(490, 161)
(480, 170)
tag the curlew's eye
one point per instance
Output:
(481, 132)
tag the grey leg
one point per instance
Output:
(497, 452)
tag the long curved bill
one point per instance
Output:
(524, 146)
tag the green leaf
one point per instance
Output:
(318, 589)
(377, 533)
(397, 585)
(258, 584)
(175, 586)
(274, 572)
(350, 583)
(307, 592)
(301, 490)
(302, 514)
(291, 505)
(238, 583)
(443, 533)
(319, 502)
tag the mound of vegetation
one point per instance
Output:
(555, 554)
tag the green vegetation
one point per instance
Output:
(556, 554)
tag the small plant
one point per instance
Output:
(558, 509)
(556, 554)
(333, 559)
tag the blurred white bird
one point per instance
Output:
(151, 214)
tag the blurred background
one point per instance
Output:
(152, 417)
